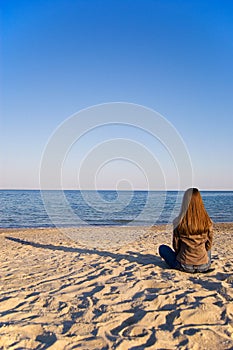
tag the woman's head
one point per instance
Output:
(193, 216)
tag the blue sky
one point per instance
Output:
(59, 57)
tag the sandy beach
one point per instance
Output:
(103, 293)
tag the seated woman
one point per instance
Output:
(192, 236)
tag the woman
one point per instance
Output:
(192, 236)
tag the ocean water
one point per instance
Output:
(32, 208)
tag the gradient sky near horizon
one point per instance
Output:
(59, 57)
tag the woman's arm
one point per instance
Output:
(176, 240)
(209, 242)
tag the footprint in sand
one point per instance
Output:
(135, 331)
(136, 337)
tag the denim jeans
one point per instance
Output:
(170, 257)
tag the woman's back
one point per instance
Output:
(193, 230)
(192, 235)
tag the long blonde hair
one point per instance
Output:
(193, 217)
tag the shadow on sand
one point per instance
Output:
(133, 257)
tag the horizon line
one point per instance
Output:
(111, 189)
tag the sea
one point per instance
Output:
(74, 208)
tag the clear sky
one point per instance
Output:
(61, 56)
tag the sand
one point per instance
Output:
(56, 293)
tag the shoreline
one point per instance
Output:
(26, 228)
(59, 293)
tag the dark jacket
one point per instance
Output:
(192, 250)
